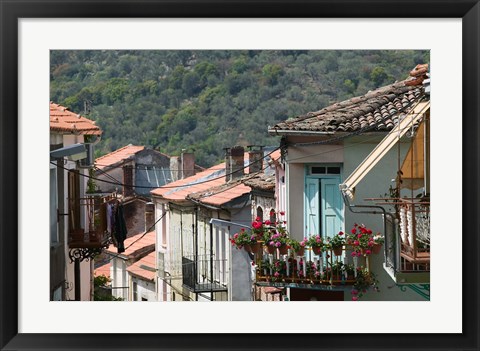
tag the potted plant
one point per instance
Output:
(362, 240)
(337, 242)
(276, 237)
(337, 270)
(316, 243)
(244, 239)
(364, 281)
(349, 269)
(298, 246)
(378, 241)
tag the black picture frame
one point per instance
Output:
(12, 10)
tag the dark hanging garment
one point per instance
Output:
(120, 229)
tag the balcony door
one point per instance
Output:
(323, 202)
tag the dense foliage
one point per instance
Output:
(208, 100)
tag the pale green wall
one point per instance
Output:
(374, 185)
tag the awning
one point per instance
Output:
(348, 186)
(413, 167)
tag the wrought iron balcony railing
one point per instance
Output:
(204, 273)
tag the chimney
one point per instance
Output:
(228, 165)
(187, 164)
(128, 180)
(175, 168)
(237, 162)
(149, 216)
(255, 158)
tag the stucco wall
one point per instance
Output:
(374, 185)
(145, 289)
(241, 264)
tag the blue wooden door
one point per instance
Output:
(331, 206)
(323, 207)
(312, 207)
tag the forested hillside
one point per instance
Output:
(208, 100)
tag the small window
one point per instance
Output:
(273, 216)
(333, 170)
(324, 170)
(260, 213)
(135, 291)
(318, 170)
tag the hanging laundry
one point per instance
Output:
(120, 228)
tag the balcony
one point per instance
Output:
(96, 235)
(408, 242)
(323, 271)
(202, 274)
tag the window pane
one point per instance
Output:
(318, 170)
(333, 170)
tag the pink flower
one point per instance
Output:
(282, 213)
(276, 274)
(356, 243)
(354, 292)
(359, 236)
(258, 219)
(354, 254)
(368, 252)
(267, 222)
(235, 236)
(359, 254)
(354, 298)
(340, 233)
(354, 230)
(278, 244)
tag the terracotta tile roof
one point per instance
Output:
(103, 270)
(222, 194)
(180, 189)
(208, 187)
(136, 244)
(139, 268)
(118, 155)
(64, 121)
(377, 110)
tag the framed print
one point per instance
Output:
(48, 47)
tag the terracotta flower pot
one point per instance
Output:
(247, 248)
(270, 249)
(316, 250)
(376, 248)
(256, 248)
(283, 249)
(338, 251)
(300, 251)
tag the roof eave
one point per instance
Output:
(297, 132)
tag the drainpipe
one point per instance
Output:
(372, 210)
(211, 262)
(77, 279)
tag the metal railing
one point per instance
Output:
(414, 230)
(204, 273)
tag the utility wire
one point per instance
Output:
(166, 186)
